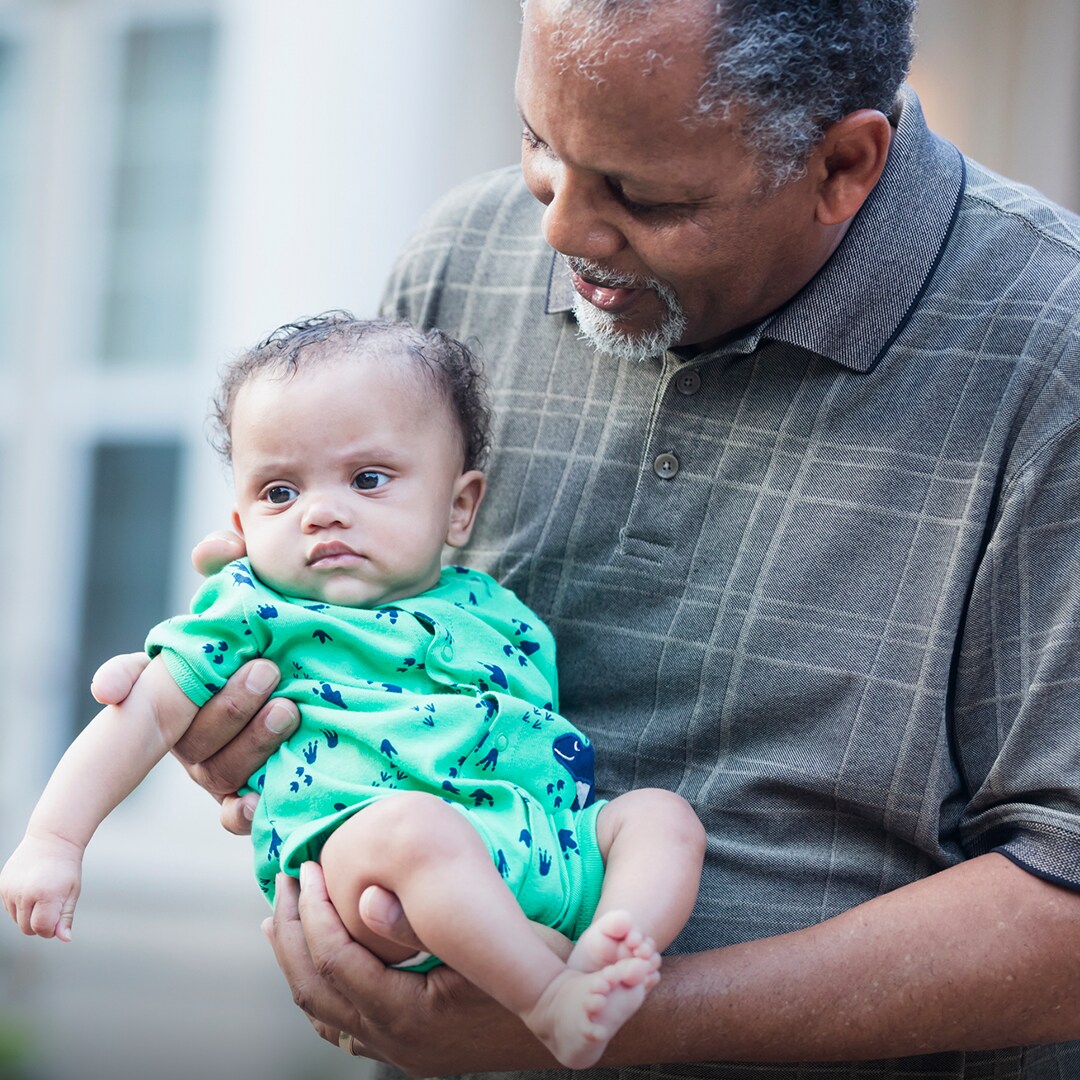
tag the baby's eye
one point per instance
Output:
(369, 480)
(280, 494)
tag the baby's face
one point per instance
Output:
(349, 480)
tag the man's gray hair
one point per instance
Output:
(787, 68)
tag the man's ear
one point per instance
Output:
(469, 491)
(849, 162)
(237, 524)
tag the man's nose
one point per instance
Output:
(577, 221)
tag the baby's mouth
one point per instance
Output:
(333, 553)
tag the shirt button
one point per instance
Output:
(666, 466)
(502, 742)
(688, 382)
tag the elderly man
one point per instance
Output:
(788, 437)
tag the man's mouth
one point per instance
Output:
(330, 554)
(608, 291)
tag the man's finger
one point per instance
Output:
(228, 770)
(112, 682)
(237, 813)
(216, 551)
(322, 1003)
(229, 712)
(382, 912)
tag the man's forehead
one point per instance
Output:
(589, 34)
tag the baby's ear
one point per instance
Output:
(468, 494)
(237, 524)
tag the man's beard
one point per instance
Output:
(601, 329)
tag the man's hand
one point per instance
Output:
(426, 1025)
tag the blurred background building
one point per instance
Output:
(177, 177)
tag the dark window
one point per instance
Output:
(130, 544)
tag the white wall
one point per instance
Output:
(337, 123)
(1001, 79)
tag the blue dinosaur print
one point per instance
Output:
(522, 627)
(388, 748)
(302, 775)
(274, 851)
(498, 676)
(501, 864)
(577, 757)
(545, 861)
(322, 635)
(490, 759)
(392, 613)
(267, 611)
(261, 782)
(315, 607)
(447, 786)
(211, 687)
(529, 647)
(311, 751)
(525, 838)
(331, 738)
(339, 806)
(481, 798)
(217, 650)
(511, 650)
(329, 694)
(567, 842)
(240, 575)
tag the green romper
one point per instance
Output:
(450, 692)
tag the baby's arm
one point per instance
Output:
(112, 755)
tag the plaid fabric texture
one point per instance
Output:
(846, 629)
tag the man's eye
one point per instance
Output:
(279, 495)
(369, 480)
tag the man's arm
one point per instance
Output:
(979, 956)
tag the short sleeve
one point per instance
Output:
(223, 631)
(1017, 689)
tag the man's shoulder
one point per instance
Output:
(495, 200)
(482, 238)
(1001, 207)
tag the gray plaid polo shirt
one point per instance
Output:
(824, 581)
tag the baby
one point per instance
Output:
(430, 759)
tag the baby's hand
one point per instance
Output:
(40, 884)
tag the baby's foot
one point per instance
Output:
(614, 937)
(580, 1011)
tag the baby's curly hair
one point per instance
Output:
(450, 366)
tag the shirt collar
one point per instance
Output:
(856, 305)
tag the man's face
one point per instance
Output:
(672, 235)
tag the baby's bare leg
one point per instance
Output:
(653, 846)
(423, 850)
